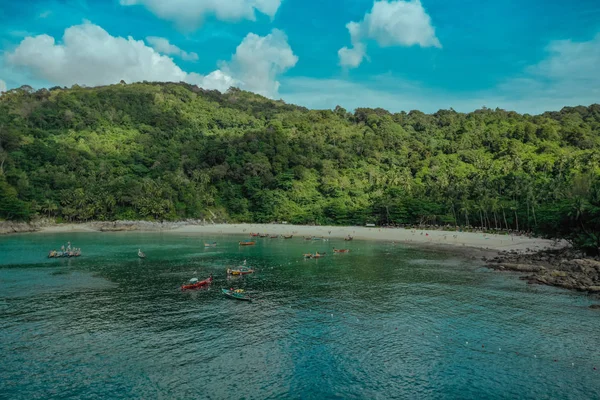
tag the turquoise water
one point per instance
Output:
(384, 321)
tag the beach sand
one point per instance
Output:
(433, 238)
(399, 235)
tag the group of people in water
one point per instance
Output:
(67, 251)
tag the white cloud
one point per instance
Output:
(90, 56)
(216, 80)
(190, 13)
(162, 45)
(567, 76)
(2, 86)
(570, 60)
(389, 23)
(259, 60)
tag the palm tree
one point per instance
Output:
(465, 209)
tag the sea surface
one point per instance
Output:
(383, 321)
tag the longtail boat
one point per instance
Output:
(247, 243)
(348, 238)
(288, 236)
(61, 254)
(237, 294)
(239, 271)
(213, 244)
(341, 250)
(196, 284)
(308, 255)
(274, 236)
(254, 234)
(264, 235)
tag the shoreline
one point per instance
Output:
(448, 240)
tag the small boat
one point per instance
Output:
(307, 238)
(348, 238)
(239, 271)
(274, 236)
(288, 236)
(237, 294)
(141, 254)
(247, 243)
(196, 284)
(61, 254)
(213, 244)
(254, 234)
(341, 250)
(318, 255)
(264, 235)
(308, 255)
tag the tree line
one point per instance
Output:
(167, 151)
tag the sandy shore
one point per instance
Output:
(446, 239)
(416, 237)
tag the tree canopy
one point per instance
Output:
(174, 151)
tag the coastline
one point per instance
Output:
(450, 240)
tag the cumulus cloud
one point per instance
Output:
(190, 13)
(566, 76)
(91, 56)
(162, 45)
(216, 80)
(389, 23)
(258, 60)
(2, 86)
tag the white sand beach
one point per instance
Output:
(434, 237)
(445, 239)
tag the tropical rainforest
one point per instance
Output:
(172, 151)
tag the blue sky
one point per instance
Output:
(528, 56)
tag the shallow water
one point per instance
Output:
(384, 321)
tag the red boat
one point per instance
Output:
(247, 243)
(254, 234)
(195, 284)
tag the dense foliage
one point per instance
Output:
(173, 151)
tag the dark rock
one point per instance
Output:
(595, 306)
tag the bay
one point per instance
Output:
(383, 321)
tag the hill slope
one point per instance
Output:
(172, 151)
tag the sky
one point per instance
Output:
(529, 56)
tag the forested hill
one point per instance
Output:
(174, 151)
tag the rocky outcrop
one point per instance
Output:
(565, 269)
(119, 226)
(7, 227)
(595, 306)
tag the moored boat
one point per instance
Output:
(237, 294)
(264, 235)
(274, 236)
(288, 236)
(254, 234)
(341, 250)
(213, 244)
(239, 271)
(247, 243)
(348, 238)
(196, 284)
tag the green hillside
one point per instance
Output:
(174, 151)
